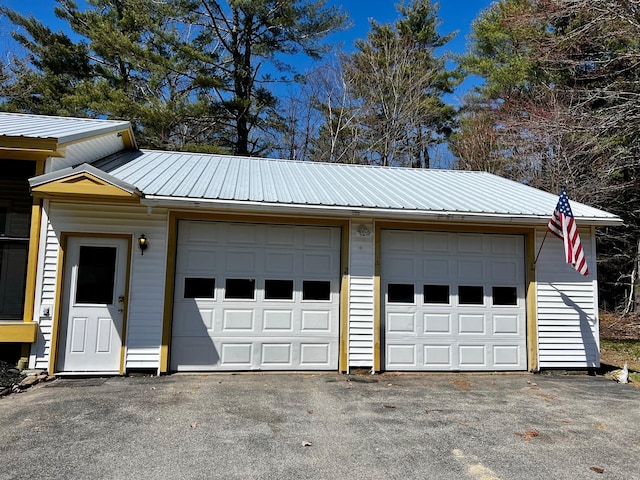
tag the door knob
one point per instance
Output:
(121, 300)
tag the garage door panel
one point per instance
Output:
(436, 270)
(507, 356)
(277, 321)
(401, 241)
(438, 357)
(275, 305)
(437, 242)
(473, 356)
(190, 320)
(469, 304)
(402, 356)
(238, 320)
(506, 325)
(471, 270)
(471, 324)
(195, 232)
(277, 354)
(400, 267)
(505, 245)
(201, 260)
(401, 323)
(470, 243)
(317, 355)
(280, 263)
(316, 321)
(236, 354)
(281, 235)
(317, 264)
(505, 271)
(193, 353)
(437, 324)
(242, 233)
(240, 262)
(319, 237)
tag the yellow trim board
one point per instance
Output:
(18, 332)
(532, 302)
(83, 184)
(343, 359)
(27, 144)
(32, 259)
(377, 303)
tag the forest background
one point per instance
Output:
(554, 99)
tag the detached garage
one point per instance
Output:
(244, 264)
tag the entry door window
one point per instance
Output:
(96, 273)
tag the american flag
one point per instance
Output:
(563, 225)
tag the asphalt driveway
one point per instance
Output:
(281, 426)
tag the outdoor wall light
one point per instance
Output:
(142, 243)
(363, 231)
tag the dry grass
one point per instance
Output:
(620, 342)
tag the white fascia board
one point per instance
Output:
(356, 212)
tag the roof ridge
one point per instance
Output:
(308, 162)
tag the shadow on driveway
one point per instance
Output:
(293, 426)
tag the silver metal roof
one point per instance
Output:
(175, 176)
(61, 129)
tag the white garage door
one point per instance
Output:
(453, 301)
(256, 297)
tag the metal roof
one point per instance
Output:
(195, 177)
(61, 129)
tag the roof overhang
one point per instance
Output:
(83, 182)
(365, 212)
(39, 148)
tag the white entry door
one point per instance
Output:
(93, 305)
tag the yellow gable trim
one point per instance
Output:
(83, 184)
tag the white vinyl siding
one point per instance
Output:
(147, 278)
(361, 292)
(86, 151)
(567, 306)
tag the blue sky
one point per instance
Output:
(455, 15)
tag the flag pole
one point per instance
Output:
(540, 249)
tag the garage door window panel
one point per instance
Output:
(278, 289)
(504, 296)
(400, 293)
(317, 290)
(240, 289)
(199, 287)
(470, 295)
(436, 294)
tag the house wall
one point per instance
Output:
(567, 305)
(361, 275)
(146, 289)
(86, 152)
(566, 302)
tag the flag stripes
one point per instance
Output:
(563, 225)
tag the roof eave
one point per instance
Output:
(365, 212)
